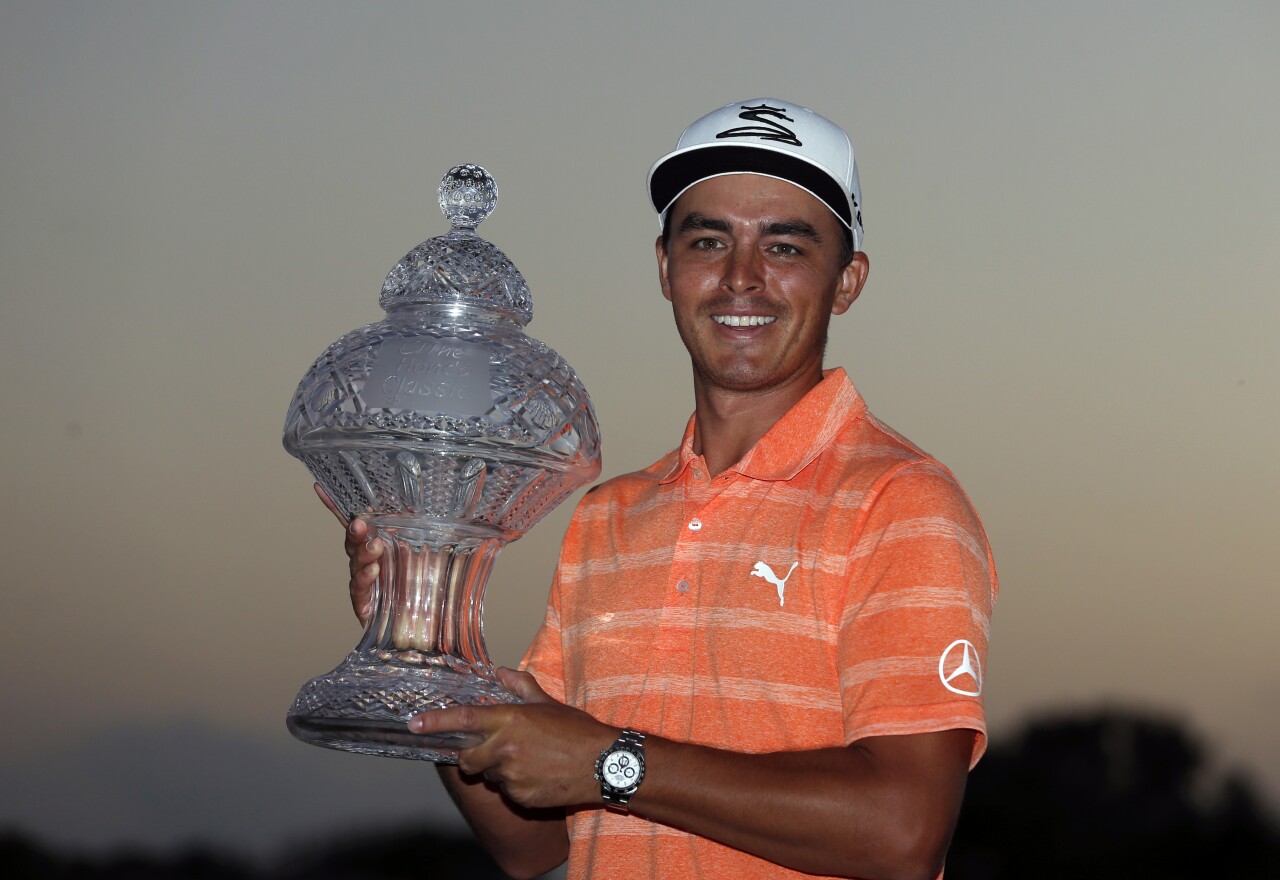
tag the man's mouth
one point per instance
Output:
(743, 320)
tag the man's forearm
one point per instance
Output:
(524, 842)
(883, 808)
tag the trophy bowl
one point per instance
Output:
(451, 432)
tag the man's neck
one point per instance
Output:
(728, 423)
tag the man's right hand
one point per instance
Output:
(363, 553)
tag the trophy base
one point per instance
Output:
(364, 706)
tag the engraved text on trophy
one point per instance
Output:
(430, 375)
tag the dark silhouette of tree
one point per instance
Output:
(1110, 794)
(23, 859)
(1098, 795)
(393, 855)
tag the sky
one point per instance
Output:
(1071, 220)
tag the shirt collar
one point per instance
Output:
(796, 439)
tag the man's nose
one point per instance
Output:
(742, 271)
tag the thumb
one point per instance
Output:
(523, 685)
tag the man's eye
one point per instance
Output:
(786, 250)
(707, 244)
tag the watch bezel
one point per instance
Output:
(604, 759)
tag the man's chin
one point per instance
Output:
(744, 379)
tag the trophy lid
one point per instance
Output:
(460, 268)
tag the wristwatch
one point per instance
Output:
(620, 770)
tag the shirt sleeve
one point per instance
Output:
(545, 658)
(916, 617)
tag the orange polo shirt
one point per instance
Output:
(832, 585)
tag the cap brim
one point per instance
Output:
(676, 172)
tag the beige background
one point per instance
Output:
(1071, 215)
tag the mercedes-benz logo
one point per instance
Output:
(960, 669)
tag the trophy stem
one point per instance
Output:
(423, 649)
(428, 600)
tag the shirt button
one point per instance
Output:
(695, 524)
(682, 587)
(697, 472)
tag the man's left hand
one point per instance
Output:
(541, 753)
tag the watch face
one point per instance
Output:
(621, 770)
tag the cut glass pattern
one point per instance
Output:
(452, 432)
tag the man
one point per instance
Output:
(763, 654)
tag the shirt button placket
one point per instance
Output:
(694, 525)
(695, 497)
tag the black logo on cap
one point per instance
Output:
(767, 127)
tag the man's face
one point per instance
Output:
(752, 270)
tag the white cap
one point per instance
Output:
(769, 137)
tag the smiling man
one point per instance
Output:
(762, 655)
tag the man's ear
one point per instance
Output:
(660, 249)
(852, 277)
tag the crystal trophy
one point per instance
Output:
(451, 432)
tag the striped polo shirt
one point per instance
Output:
(832, 585)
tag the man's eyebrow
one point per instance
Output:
(797, 228)
(695, 221)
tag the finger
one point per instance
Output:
(363, 552)
(364, 576)
(362, 545)
(523, 685)
(330, 503)
(458, 719)
(365, 549)
(357, 534)
(361, 592)
(476, 761)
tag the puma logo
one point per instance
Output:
(763, 571)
